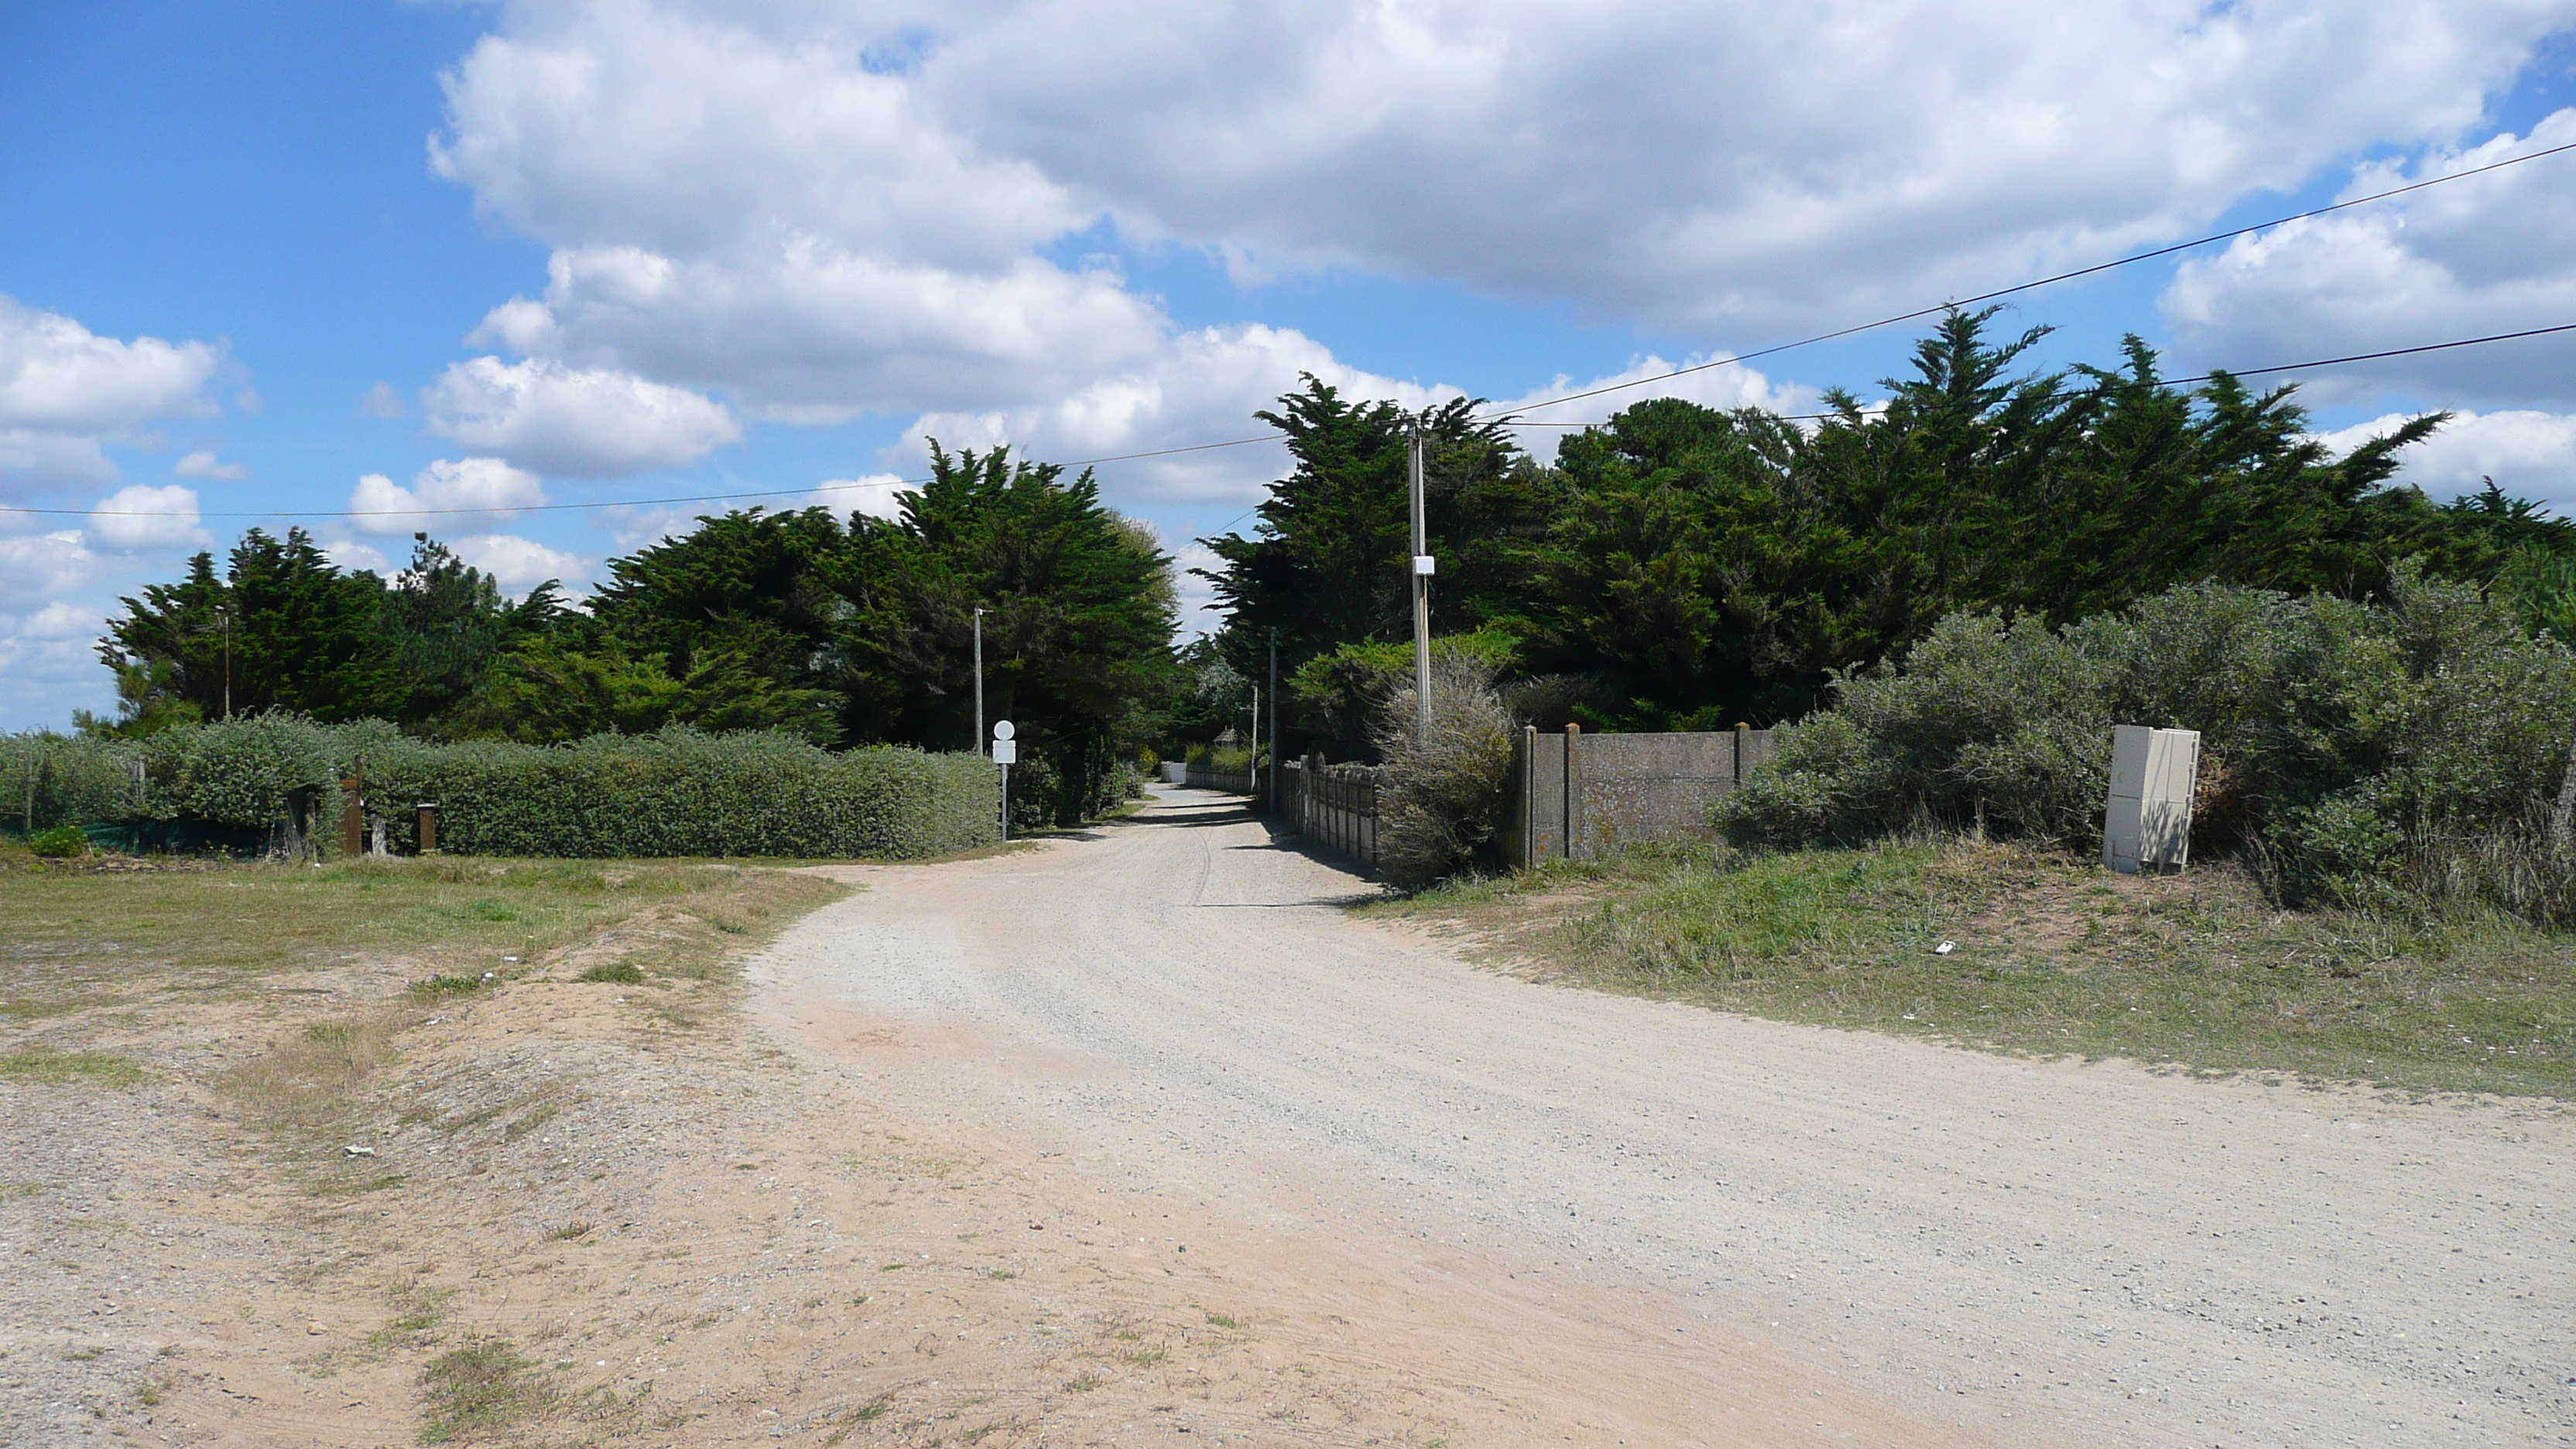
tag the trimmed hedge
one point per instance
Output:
(677, 792)
(65, 780)
(680, 792)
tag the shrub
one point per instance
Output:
(1034, 786)
(241, 771)
(677, 792)
(2359, 752)
(49, 779)
(1445, 787)
(63, 842)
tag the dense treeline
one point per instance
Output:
(843, 633)
(1676, 567)
(1683, 567)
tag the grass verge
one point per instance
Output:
(2051, 956)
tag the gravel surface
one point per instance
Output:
(1179, 1008)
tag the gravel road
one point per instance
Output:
(2048, 1252)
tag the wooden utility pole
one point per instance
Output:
(979, 680)
(1421, 596)
(1274, 719)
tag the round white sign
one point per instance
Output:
(1003, 729)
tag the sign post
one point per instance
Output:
(1006, 752)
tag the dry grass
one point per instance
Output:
(480, 1390)
(2052, 955)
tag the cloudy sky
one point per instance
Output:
(396, 258)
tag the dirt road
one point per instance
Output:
(1600, 1218)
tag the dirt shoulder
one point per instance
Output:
(320, 1206)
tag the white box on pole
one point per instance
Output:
(1006, 752)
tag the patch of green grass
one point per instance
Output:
(1222, 1320)
(57, 1069)
(569, 1231)
(438, 986)
(2053, 955)
(482, 1388)
(84, 1355)
(1082, 1383)
(621, 972)
(10, 1190)
(1002, 1275)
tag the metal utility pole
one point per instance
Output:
(979, 679)
(1252, 767)
(1421, 595)
(1274, 720)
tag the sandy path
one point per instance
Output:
(1615, 1219)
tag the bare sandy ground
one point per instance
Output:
(1605, 1219)
(1141, 1139)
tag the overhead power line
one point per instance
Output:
(1509, 419)
(2451, 345)
(2181, 381)
(2132, 259)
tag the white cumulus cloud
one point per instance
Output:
(62, 620)
(2529, 454)
(444, 495)
(873, 495)
(64, 390)
(2486, 255)
(578, 422)
(381, 401)
(138, 517)
(204, 464)
(817, 212)
(37, 569)
(520, 564)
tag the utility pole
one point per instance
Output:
(1252, 767)
(1274, 719)
(1421, 596)
(225, 613)
(979, 680)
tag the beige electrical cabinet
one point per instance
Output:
(2149, 819)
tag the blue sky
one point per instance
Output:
(314, 257)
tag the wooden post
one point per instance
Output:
(353, 819)
(429, 827)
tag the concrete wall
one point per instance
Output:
(1580, 795)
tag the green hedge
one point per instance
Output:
(48, 780)
(684, 793)
(677, 792)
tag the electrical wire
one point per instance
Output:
(2146, 256)
(1512, 418)
(2174, 381)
